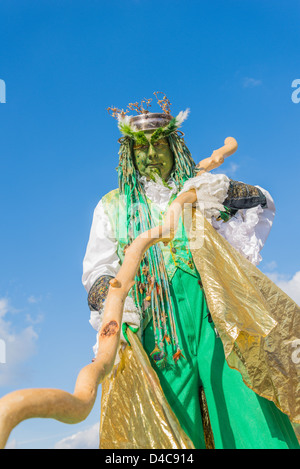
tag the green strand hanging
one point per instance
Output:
(151, 291)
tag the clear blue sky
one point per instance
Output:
(64, 62)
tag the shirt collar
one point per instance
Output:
(158, 193)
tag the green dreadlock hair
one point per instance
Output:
(151, 289)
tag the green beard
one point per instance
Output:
(156, 177)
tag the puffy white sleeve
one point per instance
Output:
(101, 258)
(211, 190)
(247, 231)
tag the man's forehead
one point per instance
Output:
(149, 133)
(162, 140)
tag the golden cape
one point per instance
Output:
(259, 326)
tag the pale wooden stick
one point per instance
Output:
(217, 157)
(73, 408)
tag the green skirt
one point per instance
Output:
(238, 418)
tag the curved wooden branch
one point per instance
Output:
(217, 157)
(73, 408)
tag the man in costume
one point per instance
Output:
(169, 306)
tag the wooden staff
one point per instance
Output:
(218, 156)
(74, 408)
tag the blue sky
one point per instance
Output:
(64, 62)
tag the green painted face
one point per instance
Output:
(154, 158)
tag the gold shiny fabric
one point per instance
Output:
(258, 323)
(207, 429)
(134, 411)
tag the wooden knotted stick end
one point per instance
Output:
(115, 283)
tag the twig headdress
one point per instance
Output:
(162, 124)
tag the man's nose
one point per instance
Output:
(151, 152)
